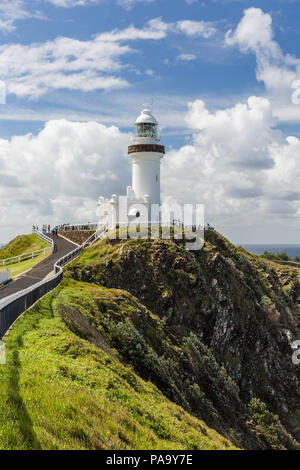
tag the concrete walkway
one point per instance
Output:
(40, 270)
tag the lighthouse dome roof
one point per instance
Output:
(146, 117)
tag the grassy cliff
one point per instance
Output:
(61, 391)
(22, 244)
(147, 345)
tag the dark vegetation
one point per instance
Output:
(279, 257)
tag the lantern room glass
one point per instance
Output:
(146, 130)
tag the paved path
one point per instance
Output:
(39, 271)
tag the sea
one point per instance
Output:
(259, 249)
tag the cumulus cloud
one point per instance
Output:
(66, 63)
(59, 174)
(154, 29)
(254, 34)
(231, 133)
(63, 63)
(10, 12)
(196, 28)
(237, 164)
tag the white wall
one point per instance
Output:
(4, 276)
(146, 175)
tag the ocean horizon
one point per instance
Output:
(292, 250)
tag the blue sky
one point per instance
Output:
(219, 74)
(68, 64)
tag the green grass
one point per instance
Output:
(19, 268)
(58, 391)
(22, 244)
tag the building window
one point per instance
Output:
(157, 178)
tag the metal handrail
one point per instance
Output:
(58, 271)
(44, 237)
(24, 256)
(32, 254)
(90, 241)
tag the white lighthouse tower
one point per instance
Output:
(146, 154)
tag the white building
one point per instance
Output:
(145, 154)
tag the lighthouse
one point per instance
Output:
(145, 153)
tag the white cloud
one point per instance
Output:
(186, 57)
(65, 63)
(238, 164)
(10, 12)
(203, 29)
(155, 29)
(75, 3)
(70, 63)
(254, 33)
(58, 174)
(130, 3)
(72, 3)
(278, 71)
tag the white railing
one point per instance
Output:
(25, 256)
(44, 237)
(96, 236)
(49, 283)
(33, 254)
(17, 295)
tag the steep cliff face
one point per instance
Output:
(212, 329)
